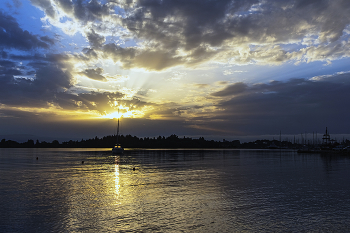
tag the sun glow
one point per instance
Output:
(113, 115)
(53, 112)
(124, 112)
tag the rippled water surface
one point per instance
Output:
(172, 191)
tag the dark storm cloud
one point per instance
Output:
(52, 78)
(66, 5)
(194, 22)
(94, 74)
(117, 53)
(233, 89)
(97, 9)
(90, 53)
(95, 39)
(89, 11)
(12, 36)
(47, 39)
(294, 106)
(32, 92)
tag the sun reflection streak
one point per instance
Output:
(116, 179)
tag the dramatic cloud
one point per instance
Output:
(295, 106)
(18, 89)
(206, 65)
(12, 36)
(228, 28)
(95, 39)
(173, 33)
(94, 74)
(101, 102)
(234, 89)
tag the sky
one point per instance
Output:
(218, 69)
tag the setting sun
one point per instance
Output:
(124, 112)
(113, 115)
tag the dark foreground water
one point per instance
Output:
(172, 191)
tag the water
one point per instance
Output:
(172, 191)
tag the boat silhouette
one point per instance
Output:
(117, 149)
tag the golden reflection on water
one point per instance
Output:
(110, 195)
(116, 180)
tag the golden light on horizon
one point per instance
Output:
(113, 115)
(124, 112)
(54, 113)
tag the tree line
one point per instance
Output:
(172, 141)
(127, 141)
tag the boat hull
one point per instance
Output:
(117, 150)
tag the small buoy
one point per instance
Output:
(82, 162)
(133, 169)
(37, 158)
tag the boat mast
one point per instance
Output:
(118, 132)
(118, 129)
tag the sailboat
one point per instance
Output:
(117, 149)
